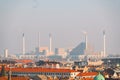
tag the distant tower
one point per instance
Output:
(50, 46)
(23, 36)
(86, 42)
(6, 53)
(39, 41)
(104, 44)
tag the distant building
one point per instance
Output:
(111, 61)
(80, 53)
(79, 50)
(80, 63)
(42, 50)
(60, 52)
(95, 63)
(27, 56)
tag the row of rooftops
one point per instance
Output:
(15, 78)
(85, 75)
(40, 70)
(49, 70)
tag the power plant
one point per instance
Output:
(83, 51)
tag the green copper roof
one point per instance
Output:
(99, 77)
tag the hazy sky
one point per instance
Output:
(64, 19)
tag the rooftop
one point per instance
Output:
(15, 78)
(40, 70)
(88, 74)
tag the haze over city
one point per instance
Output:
(64, 19)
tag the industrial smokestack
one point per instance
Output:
(23, 36)
(38, 40)
(6, 53)
(104, 44)
(86, 41)
(38, 47)
(50, 46)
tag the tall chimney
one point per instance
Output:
(104, 44)
(50, 46)
(86, 41)
(39, 41)
(23, 36)
(6, 53)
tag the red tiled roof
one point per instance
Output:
(87, 79)
(15, 78)
(24, 61)
(87, 74)
(3, 78)
(20, 78)
(40, 70)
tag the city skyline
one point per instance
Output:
(65, 20)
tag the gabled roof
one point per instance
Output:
(40, 70)
(88, 74)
